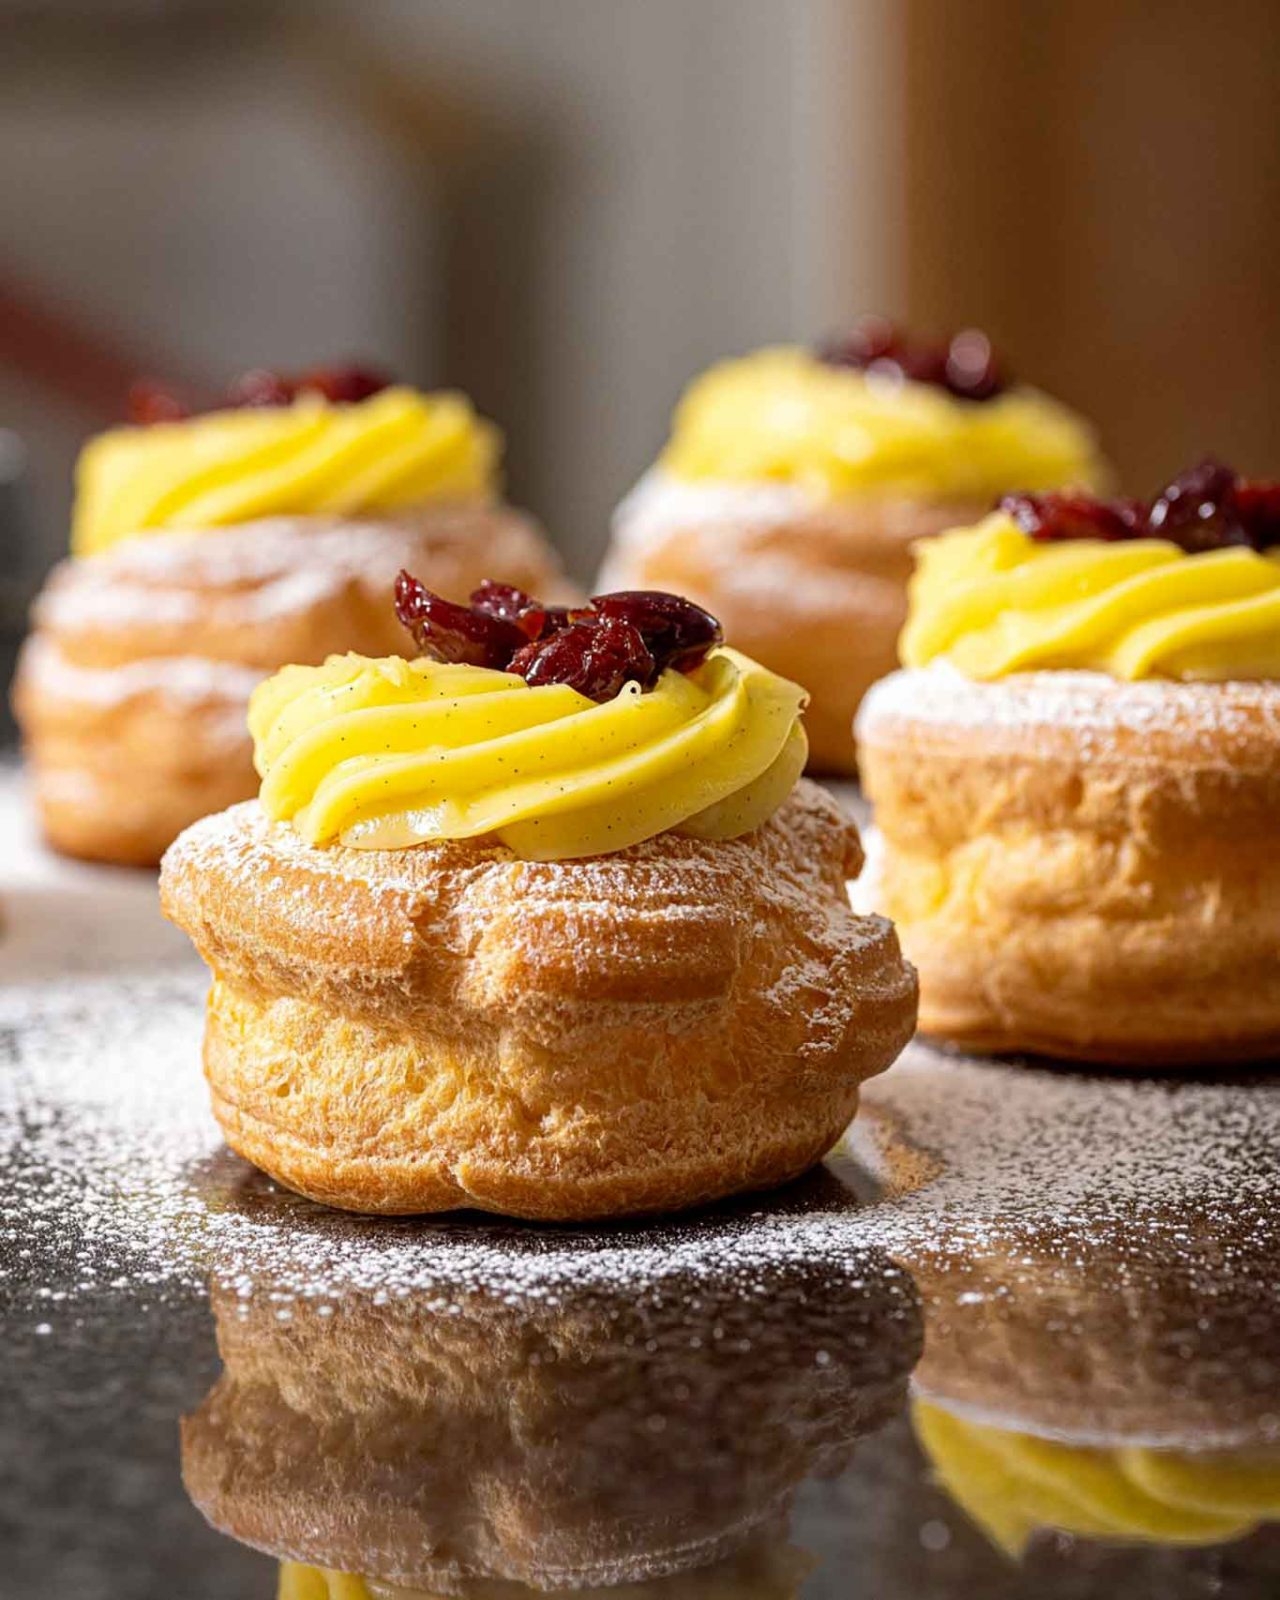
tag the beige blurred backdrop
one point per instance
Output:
(567, 207)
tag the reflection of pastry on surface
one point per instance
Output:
(1096, 1259)
(1070, 779)
(211, 551)
(762, 1570)
(589, 1436)
(791, 491)
(1012, 1484)
(410, 1030)
(1111, 1343)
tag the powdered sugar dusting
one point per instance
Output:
(252, 553)
(1098, 1256)
(106, 1136)
(106, 1141)
(659, 504)
(983, 1151)
(280, 567)
(188, 679)
(718, 522)
(682, 878)
(105, 1131)
(105, 1127)
(1090, 703)
(110, 602)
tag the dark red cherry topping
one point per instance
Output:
(534, 620)
(540, 622)
(629, 637)
(151, 401)
(678, 632)
(344, 385)
(965, 366)
(595, 656)
(1072, 515)
(1258, 507)
(1198, 509)
(1207, 507)
(504, 601)
(449, 632)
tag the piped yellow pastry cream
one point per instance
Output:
(398, 448)
(384, 754)
(992, 600)
(1012, 1484)
(785, 415)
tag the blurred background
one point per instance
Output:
(567, 207)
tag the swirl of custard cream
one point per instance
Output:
(1013, 1483)
(396, 449)
(784, 415)
(992, 601)
(384, 754)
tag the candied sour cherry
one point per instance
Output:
(151, 400)
(632, 636)
(1207, 507)
(965, 366)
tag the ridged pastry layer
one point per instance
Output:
(1081, 867)
(445, 1026)
(816, 590)
(133, 689)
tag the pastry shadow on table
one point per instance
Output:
(226, 1183)
(1244, 1074)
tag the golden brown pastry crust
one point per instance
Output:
(132, 691)
(441, 1437)
(1082, 867)
(814, 590)
(447, 1026)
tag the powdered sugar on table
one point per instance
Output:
(106, 1140)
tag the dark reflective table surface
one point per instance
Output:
(1019, 1337)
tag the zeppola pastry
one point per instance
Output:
(1076, 775)
(795, 482)
(541, 922)
(209, 550)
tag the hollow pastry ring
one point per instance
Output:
(448, 1025)
(815, 590)
(1081, 866)
(133, 689)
